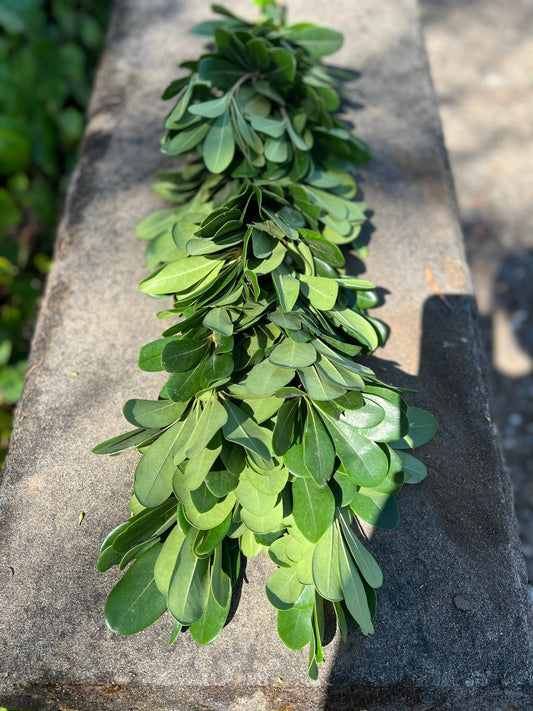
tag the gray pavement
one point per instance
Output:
(481, 57)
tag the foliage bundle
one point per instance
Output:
(270, 434)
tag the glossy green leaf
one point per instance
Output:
(289, 354)
(356, 325)
(363, 460)
(318, 387)
(205, 520)
(135, 602)
(414, 470)
(252, 500)
(135, 438)
(284, 429)
(167, 558)
(220, 579)
(188, 591)
(354, 591)
(422, 428)
(326, 574)
(186, 140)
(178, 276)
(211, 108)
(180, 356)
(283, 588)
(211, 623)
(153, 476)
(313, 508)
(318, 450)
(219, 144)
(317, 41)
(380, 511)
(265, 378)
(368, 567)
(243, 431)
(153, 413)
(295, 627)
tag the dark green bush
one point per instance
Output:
(48, 53)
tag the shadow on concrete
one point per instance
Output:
(456, 541)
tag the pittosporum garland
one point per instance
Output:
(269, 435)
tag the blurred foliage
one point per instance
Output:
(48, 53)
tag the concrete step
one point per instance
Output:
(453, 629)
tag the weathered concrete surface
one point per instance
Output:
(457, 536)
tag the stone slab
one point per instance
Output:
(457, 536)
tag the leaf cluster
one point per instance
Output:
(270, 434)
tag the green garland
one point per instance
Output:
(270, 434)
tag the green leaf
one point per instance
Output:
(243, 431)
(179, 276)
(220, 580)
(287, 288)
(317, 387)
(284, 429)
(268, 483)
(207, 541)
(252, 500)
(188, 591)
(135, 438)
(221, 482)
(356, 325)
(422, 428)
(218, 320)
(326, 574)
(318, 450)
(414, 470)
(153, 413)
(265, 378)
(354, 591)
(317, 41)
(212, 419)
(196, 469)
(283, 588)
(186, 140)
(180, 356)
(313, 508)
(267, 523)
(392, 427)
(135, 602)
(167, 558)
(271, 127)
(181, 387)
(276, 150)
(380, 511)
(368, 567)
(285, 63)
(363, 460)
(294, 461)
(205, 520)
(219, 144)
(295, 627)
(211, 623)
(212, 108)
(321, 292)
(219, 72)
(154, 473)
(289, 354)
(323, 248)
(144, 526)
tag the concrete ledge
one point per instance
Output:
(457, 535)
